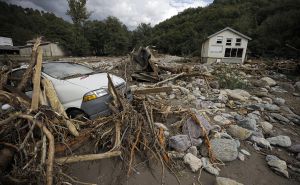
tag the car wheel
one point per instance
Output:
(76, 114)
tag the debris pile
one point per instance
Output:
(198, 115)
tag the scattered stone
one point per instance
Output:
(238, 94)
(261, 142)
(214, 84)
(196, 142)
(224, 149)
(270, 82)
(297, 86)
(245, 152)
(248, 123)
(266, 126)
(180, 142)
(192, 129)
(279, 117)
(221, 120)
(270, 107)
(209, 167)
(298, 156)
(194, 162)
(278, 165)
(175, 155)
(283, 141)
(241, 156)
(226, 181)
(172, 96)
(295, 148)
(193, 150)
(239, 132)
(160, 125)
(296, 94)
(279, 101)
(287, 86)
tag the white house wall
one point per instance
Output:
(214, 50)
(49, 50)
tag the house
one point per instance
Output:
(50, 49)
(7, 47)
(227, 45)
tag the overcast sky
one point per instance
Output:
(130, 12)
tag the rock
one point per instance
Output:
(248, 123)
(241, 156)
(279, 101)
(194, 162)
(224, 149)
(261, 142)
(297, 86)
(280, 118)
(180, 142)
(295, 148)
(221, 120)
(192, 129)
(172, 96)
(270, 82)
(266, 126)
(283, 141)
(245, 152)
(160, 125)
(287, 86)
(176, 155)
(253, 116)
(214, 84)
(209, 167)
(196, 142)
(191, 97)
(260, 83)
(277, 165)
(239, 132)
(226, 181)
(193, 150)
(223, 96)
(270, 107)
(258, 133)
(298, 156)
(238, 94)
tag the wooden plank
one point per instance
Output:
(152, 90)
(37, 80)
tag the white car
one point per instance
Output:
(80, 89)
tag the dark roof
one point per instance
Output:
(230, 29)
(12, 48)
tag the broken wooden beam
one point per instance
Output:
(37, 80)
(153, 90)
(88, 157)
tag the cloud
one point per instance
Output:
(130, 12)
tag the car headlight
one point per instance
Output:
(94, 95)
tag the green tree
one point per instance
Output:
(78, 11)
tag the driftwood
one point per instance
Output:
(28, 72)
(37, 80)
(51, 147)
(169, 79)
(152, 90)
(89, 157)
(57, 106)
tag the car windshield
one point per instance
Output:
(62, 70)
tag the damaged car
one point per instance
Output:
(81, 90)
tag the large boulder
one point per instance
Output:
(283, 141)
(226, 181)
(239, 132)
(194, 162)
(180, 143)
(224, 149)
(270, 82)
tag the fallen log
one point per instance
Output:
(37, 80)
(152, 90)
(57, 106)
(89, 157)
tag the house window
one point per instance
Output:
(238, 42)
(219, 39)
(234, 52)
(228, 42)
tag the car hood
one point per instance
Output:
(95, 81)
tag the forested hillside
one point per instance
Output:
(272, 24)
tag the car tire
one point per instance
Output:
(76, 114)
